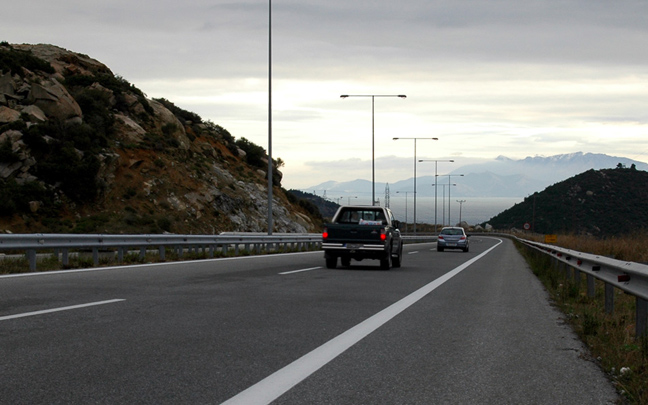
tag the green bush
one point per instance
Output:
(15, 198)
(183, 115)
(7, 155)
(13, 60)
(254, 153)
(77, 175)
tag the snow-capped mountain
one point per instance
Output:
(501, 177)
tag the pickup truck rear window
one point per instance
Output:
(362, 217)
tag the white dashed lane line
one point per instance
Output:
(299, 271)
(48, 311)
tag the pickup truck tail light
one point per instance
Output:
(383, 234)
(440, 237)
(325, 233)
(463, 238)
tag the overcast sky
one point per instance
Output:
(494, 77)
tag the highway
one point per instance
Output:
(445, 328)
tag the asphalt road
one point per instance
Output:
(445, 328)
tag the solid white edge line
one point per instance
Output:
(413, 253)
(278, 383)
(299, 271)
(47, 311)
(124, 267)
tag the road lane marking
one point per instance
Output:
(278, 383)
(412, 253)
(299, 271)
(47, 311)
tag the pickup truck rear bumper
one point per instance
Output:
(353, 247)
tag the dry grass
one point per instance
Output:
(630, 248)
(610, 337)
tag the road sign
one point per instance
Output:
(551, 238)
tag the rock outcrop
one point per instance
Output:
(82, 150)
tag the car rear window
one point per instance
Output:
(362, 217)
(452, 232)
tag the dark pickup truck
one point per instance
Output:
(363, 232)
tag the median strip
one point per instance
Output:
(47, 311)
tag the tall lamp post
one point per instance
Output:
(460, 207)
(449, 178)
(436, 165)
(270, 225)
(373, 146)
(443, 186)
(433, 139)
(406, 192)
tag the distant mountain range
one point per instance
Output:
(502, 177)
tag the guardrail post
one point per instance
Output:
(142, 254)
(609, 298)
(65, 257)
(162, 250)
(591, 286)
(95, 256)
(642, 317)
(211, 251)
(224, 250)
(31, 257)
(120, 254)
(577, 276)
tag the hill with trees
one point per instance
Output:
(602, 203)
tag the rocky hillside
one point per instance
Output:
(602, 203)
(83, 150)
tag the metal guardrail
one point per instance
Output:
(629, 277)
(64, 243)
(422, 238)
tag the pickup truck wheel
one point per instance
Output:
(396, 262)
(386, 263)
(331, 262)
(346, 261)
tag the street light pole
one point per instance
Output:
(434, 139)
(443, 186)
(373, 143)
(270, 225)
(436, 164)
(460, 207)
(406, 192)
(449, 178)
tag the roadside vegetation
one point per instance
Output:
(611, 338)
